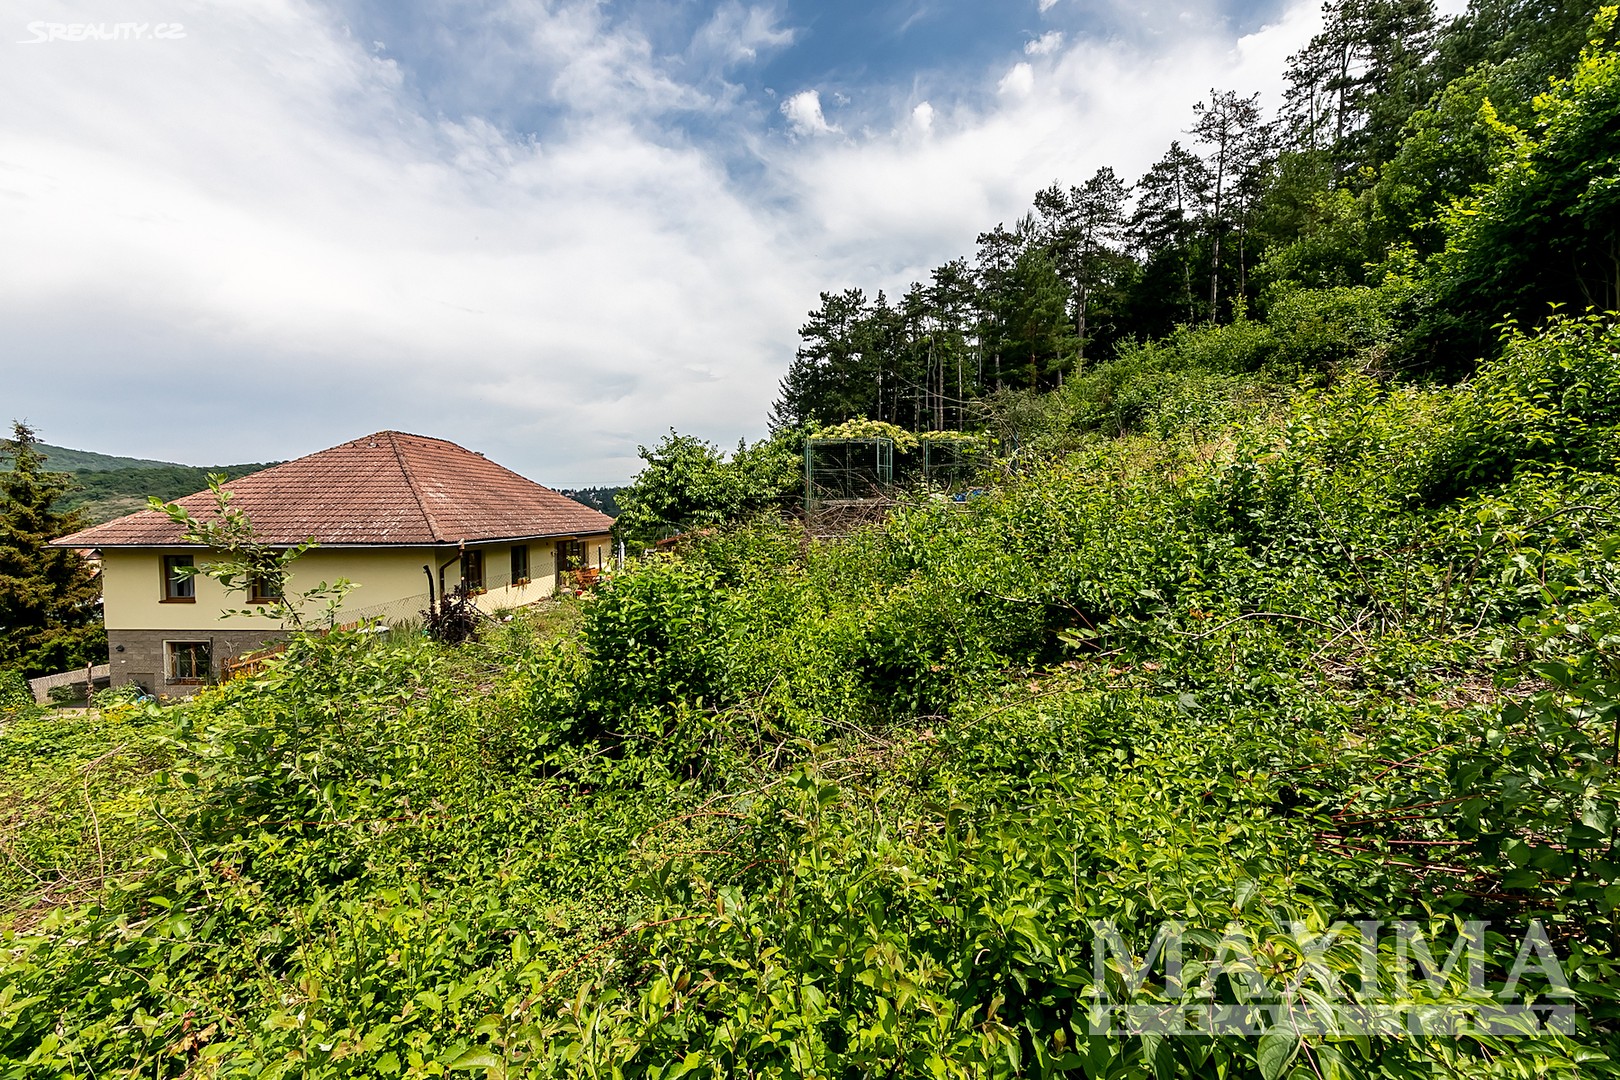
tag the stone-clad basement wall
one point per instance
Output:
(140, 656)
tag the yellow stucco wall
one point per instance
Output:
(542, 571)
(390, 583)
(132, 585)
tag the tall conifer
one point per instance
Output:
(50, 612)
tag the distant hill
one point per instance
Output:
(111, 486)
(605, 499)
(61, 459)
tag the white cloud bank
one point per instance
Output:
(253, 242)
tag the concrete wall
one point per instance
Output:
(73, 680)
(142, 655)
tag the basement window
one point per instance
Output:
(187, 661)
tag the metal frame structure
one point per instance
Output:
(949, 464)
(842, 470)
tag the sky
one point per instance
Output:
(549, 230)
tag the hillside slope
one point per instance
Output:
(111, 486)
(63, 459)
(1280, 664)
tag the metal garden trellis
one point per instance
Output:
(947, 464)
(847, 470)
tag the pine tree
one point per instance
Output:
(998, 253)
(1171, 200)
(1229, 125)
(820, 383)
(1083, 229)
(50, 614)
(953, 300)
(1035, 322)
(1351, 89)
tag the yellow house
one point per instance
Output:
(404, 517)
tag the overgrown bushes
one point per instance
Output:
(779, 807)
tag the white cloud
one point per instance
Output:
(256, 213)
(1048, 43)
(1018, 82)
(803, 111)
(1047, 5)
(888, 209)
(740, 34)
(256, 241)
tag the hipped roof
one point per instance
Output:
(385, 489)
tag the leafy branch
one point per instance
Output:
(251, 566)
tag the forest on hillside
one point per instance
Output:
(1424, 180)
(107, 486)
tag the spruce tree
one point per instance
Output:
(50, 613)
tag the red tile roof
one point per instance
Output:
(387, 488)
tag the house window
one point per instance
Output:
(263, 589)
(187, 661)
(178, 587)
(520, 564)
(472, 570)
(570, 555)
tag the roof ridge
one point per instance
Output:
(412, 435)
(520, 476)
(410, 482)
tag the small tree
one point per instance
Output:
(247, 564)
(50, 615)
(691, 484)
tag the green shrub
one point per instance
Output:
(1548, 398)
(14, 692)
(69, 694)
(655, 637)
(1331, 330)
(113, 697)
(688, 484)
(1240, 346)
(774, 806)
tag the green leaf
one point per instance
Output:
(476, 1057)
(1277, 1049)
